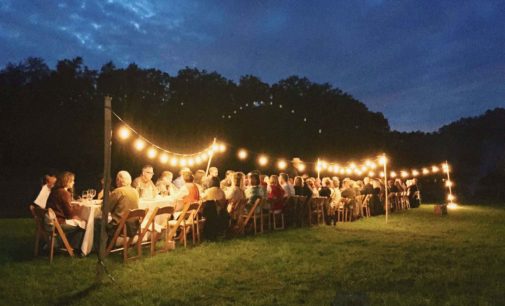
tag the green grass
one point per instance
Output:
(416, 259)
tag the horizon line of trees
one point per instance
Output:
(54, 118)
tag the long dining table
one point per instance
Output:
(91, 210)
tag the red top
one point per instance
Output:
(276, 197)
(193, 196)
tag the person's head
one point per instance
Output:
(213, 171)
(147, 173)
(283, 178)
(214, 182)
(310, 182)
(187, 176)
(254, 179)
(347, 183)
(273, 180)
(199, 174)
(327, 182)
(166, 176)
(298, 181)
(336, 182)
(123, 178)
(50, 180)
(65, 180)
(237, 179)
(366, 180)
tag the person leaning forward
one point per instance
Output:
(122, 199)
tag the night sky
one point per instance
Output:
(422, 63)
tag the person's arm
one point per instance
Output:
(66, 206)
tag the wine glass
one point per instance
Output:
(85, 195)
(91, 193)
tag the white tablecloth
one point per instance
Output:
(151, 205)
(89, 211)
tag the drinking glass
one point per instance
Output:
(91, 193)
(85, 195)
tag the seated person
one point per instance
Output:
(188, 193)
(144, 184)
(235, 193)
(49, 181)
(289, 190)
(199, 180)
(254, 191)
(59, 201)
(121, 199)
(276, 193)
(348, 194)
(298, 186)
(214, 192)
(164, 184)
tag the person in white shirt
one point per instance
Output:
(144, 183)
(49, 181)
(289, 189)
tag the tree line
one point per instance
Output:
(53, 118)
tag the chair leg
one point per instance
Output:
(51, 249)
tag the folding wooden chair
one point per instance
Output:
(315, 207)
(301, 210)
(135, 215)
(188, 223)
(344, 213)
(275, 213)
(252, 215)
(160, 211)
(365, 205)
(50, 232)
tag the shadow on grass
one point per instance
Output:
(77, 296)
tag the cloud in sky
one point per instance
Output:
(421, 63)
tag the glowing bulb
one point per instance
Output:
(352, 165)
(372, 166)
(198, 160)
(371, 174)
(242, 154)
(214, 148)
(263, 160)
(426, 171)
(368, 162)
(364, 168)
(341, 171)
(381, 174)
(183, 162)
(415, 173)
(393, 174)
(434, 169)
(151, 153)
(330, 168)
(452, 205)
(451, 198)
(404, 174)
(173, 161)
(335, 169)
(383, 160)
(139, 144)
(222, 148)
(205, 156)
(448, 184)
(301, 167)
(281, 164)
(124, 133)
(359, 172)
(324, 165)
(164, 158)
(445, 167)
(348, 170)
(191, 162)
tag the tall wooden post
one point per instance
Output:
(100, 268)
(318, 168)
(386, 186)
(210, 157)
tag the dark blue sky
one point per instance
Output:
(422, 63)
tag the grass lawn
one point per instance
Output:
(416, 259)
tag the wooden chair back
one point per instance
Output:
(48, 229)
(242, 224)
(121, 231)
(160, 211)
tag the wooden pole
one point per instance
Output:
(210, 158)
(100, 268)
(386, 187)
(449, 183)
(318, 166)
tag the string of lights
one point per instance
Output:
(167, 156)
